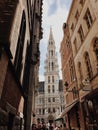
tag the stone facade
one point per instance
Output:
(50, 100)
(19, 56)
(82, 22)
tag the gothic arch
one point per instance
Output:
(50, 118)
(88, 65)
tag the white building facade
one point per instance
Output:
(50, 91)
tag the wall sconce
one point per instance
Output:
(74, 90)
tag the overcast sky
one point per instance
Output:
(55, 13)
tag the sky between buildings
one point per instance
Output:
(55, 13)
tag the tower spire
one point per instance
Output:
(51, 34)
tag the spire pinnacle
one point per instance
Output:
(51, 34)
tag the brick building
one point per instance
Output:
(82, 23)
(20, 33)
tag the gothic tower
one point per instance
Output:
(51, 74)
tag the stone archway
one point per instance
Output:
(50, 119)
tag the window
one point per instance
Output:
(75, 94)
(43, 111)
(49, 110)
(68, 43)
(71, 67)
(53, 79)
(80, 72)
(53, 99)
(53, 110)
(49, 89)
(49, 66)
(52, 64)
(95, 46)
(48, 79)
(88, 66)
(72, 27)
(81, 34)
(49, 99)
(88, 18)
(53, 88)
(51, 52)
(40, 111)
(75, 45)
(82, 2)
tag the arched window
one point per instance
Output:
(52, 65)
(88, 65)
(48, 79)
(53, 79)
(49, 66)
(80, 72)
(53, 99)
(53, 110)
(51, 52)
(49, 110)
(49, 99)
(95, 46)
(53, 88)
(49, 89)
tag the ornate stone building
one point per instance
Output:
(82, 23)
(50, 100)
(20, 33)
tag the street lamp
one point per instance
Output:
(74, 90)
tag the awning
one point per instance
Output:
(69, 107)
(89, 95)
(59, 118)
